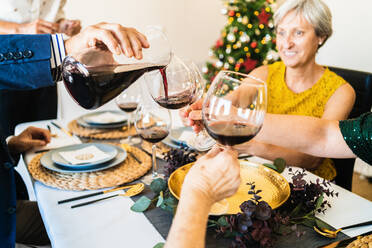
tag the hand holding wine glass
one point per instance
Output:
(152, 124)
(234, 108)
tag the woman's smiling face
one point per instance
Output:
(297, 42)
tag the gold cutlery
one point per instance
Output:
(135, 190)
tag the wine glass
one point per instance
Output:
(174, 86)
(128, 101)
(94, 76)
(234, 108)
(153, 123)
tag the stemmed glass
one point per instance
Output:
(176, 86)
(153, 123)
(128, 101)
(172, 87)
(234, 108)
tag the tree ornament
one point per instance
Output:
(257, 32)
(221, 56)
(228, 50)
(248, 54)
(231, 19)
(264, 17)
(263, 42)
(245, 20)
(235, 46)
(249, 64)
(219, 64)
(261, 26)
(219, 43)
(231, 37)
(240, 61)
(253, 44)
(256, 50)
(267, 37)
(224, 11)
(226, 66)
(256, 13)
(231, 60)
(238, 15)
(205, 69)
(231, 13)
(239, 44)
(239, 19)
(244, 38)
(246, 49)
(271, 24)
(249, 26)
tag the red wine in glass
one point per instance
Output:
(91, 87)
(176, 101)
(128, 106)
(231, 132)
(154, 134)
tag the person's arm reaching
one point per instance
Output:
(318, 137)
(26, 61)
(214, 177)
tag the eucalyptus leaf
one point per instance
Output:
(222, 221)
(319, 201)
(141, 204)
(280, 164)
(170, 201)
(160, 199)
(308, 222)
(296, 210)
(322, 224)
(271, 166)
(167, 208)
(158, 185)
(159, 245)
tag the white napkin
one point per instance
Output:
(85, 155)
(60, 141)
(106, 118)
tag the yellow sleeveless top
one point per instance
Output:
(311, 102)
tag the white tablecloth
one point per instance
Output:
(111, 223)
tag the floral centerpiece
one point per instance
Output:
(257, 224)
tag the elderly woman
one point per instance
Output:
(297, 85)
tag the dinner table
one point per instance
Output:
(111, 223)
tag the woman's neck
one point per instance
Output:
(303, 78)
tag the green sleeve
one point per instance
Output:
(357, 134)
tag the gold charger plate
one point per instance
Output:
(275, 188)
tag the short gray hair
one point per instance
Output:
(315, 12)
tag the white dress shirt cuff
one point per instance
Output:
(58, 52)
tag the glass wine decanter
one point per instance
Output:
(94, 76)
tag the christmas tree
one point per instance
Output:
(247, 41)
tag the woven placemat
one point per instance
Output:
(125, 172)
(99, 133)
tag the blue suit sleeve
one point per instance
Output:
(25, 62)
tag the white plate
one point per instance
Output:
(47, 162)
(108, 149)
(80, 120)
